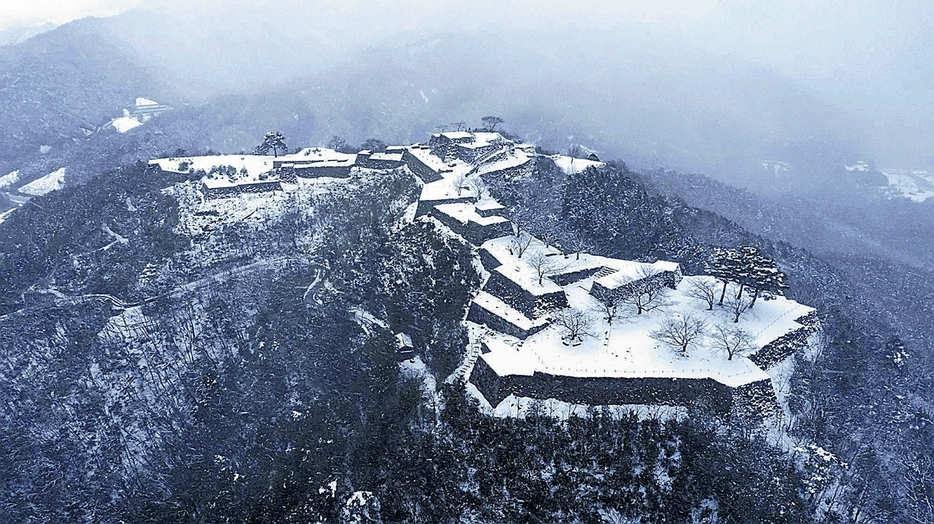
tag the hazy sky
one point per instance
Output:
(805, 38)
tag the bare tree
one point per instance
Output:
(519, 242)
(576, 324)
(733, 340)
(476, 186)
(610, 310)
(647, 291)
(680, 332)
(737, 305)
(459, 182)
(542, 264)
(577, 243)
(490, 122)
(703, 289)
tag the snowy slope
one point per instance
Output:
(51, 182)
(9, 179)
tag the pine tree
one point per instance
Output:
(272, 140)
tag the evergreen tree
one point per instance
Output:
(272, 140)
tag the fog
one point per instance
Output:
(867, 64)
(869, 60)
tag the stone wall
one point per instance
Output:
(231, 191)
(480, 315)
(473, 232)
(662, 279)
(788, 344)
(488, 260)
(423, 170)
(566, 279)
(598, 391)
(519, 298)
(378, 163)
(509, 172)
(322, 171)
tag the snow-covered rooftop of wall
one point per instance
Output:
(625, 270)
(626, 348)
(141, 101)
(465, 213)
(573, 165)
(254, 164)
(125, 123)
(503, 310)
(320, 157)
(40, 186)
(428, 159)
(395, 156)
(526, 277)
(455, 135)
(513, 158)
(489, 205)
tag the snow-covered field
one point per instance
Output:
(51, 182)
(627, 349)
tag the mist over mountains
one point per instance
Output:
(652, 100)
(222, 334)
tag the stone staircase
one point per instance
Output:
(462, 373)
(606, 271)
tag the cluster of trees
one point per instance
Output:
(489, 123)
(748, 269)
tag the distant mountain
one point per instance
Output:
(649, 101)
(17, 35)
(59, 86)
(639, 100)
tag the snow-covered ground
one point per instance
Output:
(915, 185)
(520, 407)
(6, 214)
(627, 349)
(572, 165)
(254, 164)
(125, 122)
(51, 182)
(9, 179)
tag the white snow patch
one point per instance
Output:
(572, 165)
(141, 101)
(51, 182)
(915, 185)
(6, 214)
(521, 407)
(9, 179)
(626, 348)
(125, 123)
